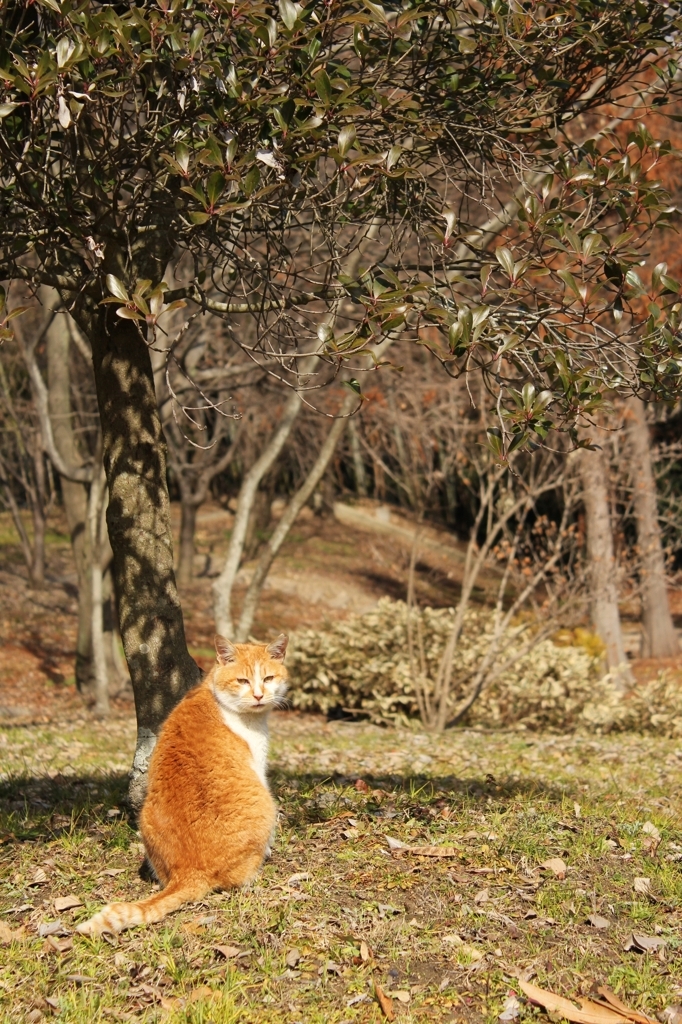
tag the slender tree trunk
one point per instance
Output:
(359, 471)
(222, 588)
(602, 565)
(138, 519)
(38, 517)
(288, 518)
(188, 523)
(74, 493)
(96, 506)
(659, 637)
(11, 503)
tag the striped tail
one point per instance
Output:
(117, 916)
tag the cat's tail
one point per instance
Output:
(117, 916)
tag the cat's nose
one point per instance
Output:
(258, 696)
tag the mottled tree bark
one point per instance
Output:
(659, 637)
(139, 525)
(602, 566)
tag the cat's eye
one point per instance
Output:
(244, 682)
(268, 679)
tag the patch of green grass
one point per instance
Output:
(448, 933)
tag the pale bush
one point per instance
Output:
(361, 665)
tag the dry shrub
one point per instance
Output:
(361, 665)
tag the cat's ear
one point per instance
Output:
(224, 649)
(278, 648)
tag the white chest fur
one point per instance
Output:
(253, 729)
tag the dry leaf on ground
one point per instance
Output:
(511, 1009)
(590, 1013)
(598, 922)
(642, 885)
(292, 957)
(398, 847)
(556, 866)
(365, 951)
(618, 1004)
(402, 995)
(384, 1002)
(671, 1015)
(39, 877)
(67, 903)
(644, 943)
(202, 992)
(8, 934)
(228, 952)
(51, 928)
(54, 945)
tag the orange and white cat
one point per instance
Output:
(208, 819)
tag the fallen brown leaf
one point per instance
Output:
(39, 877)
(385, 1004)
(228, 952)
(590, 1013)
(112, 871)
(202, 992)
(8, 934)
(613, 1000)
(642, 885)
(644, 943)
(67, 903)
(192, 928)
(598, 922)
(671, 1015)
(511, 1009)
(397, 847)
(365, 951)
(172, 1003)
(556, 866)
(54, 945)
(292, 957)
(47, 928)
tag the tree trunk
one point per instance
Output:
(37, 572)
(289, 517)
(222, 588)
(602, 565)
(96, 505)
(74, 493)
(359, 470)
(139, 523)
(188, 523)
(659, 637)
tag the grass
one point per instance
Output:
(447, 934)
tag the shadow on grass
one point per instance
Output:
(35, 808)
(312, 796)
(41, 808)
